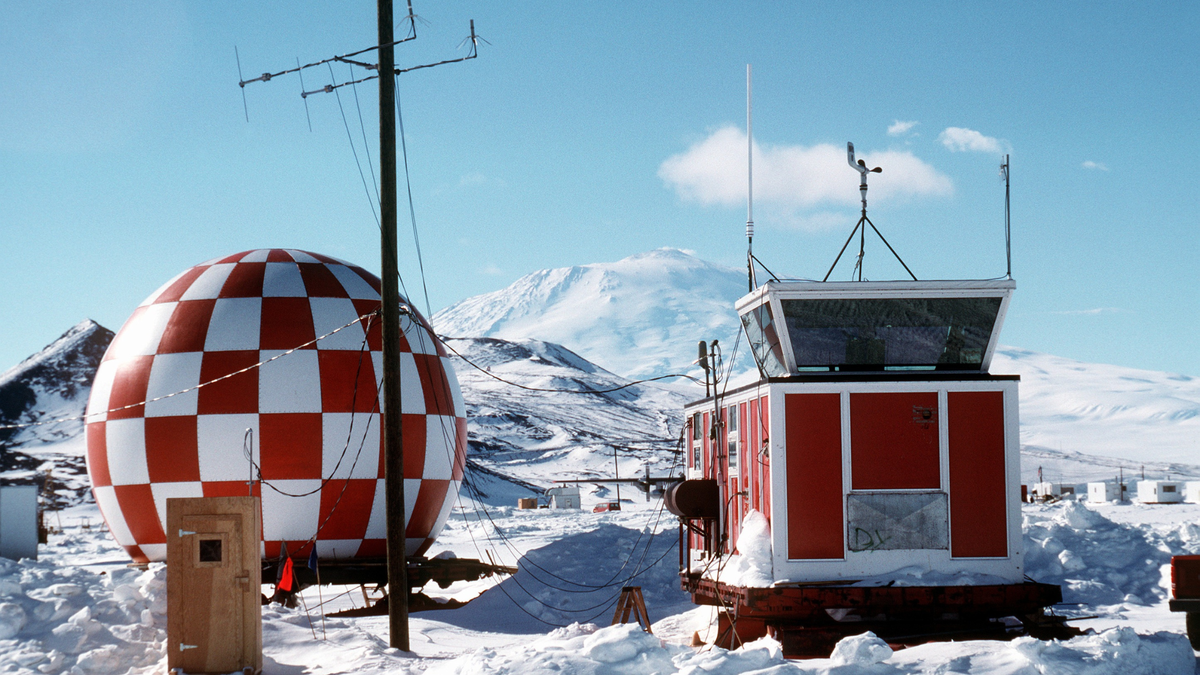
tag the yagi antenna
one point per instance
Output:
(861, 167)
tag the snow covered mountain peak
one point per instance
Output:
(639, 316)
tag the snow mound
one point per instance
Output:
(860, 650)
(751, 566)
(71, 619)
(1102, 564)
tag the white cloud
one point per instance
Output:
(900, 127)
(1091, 312)
(475, 179)
(790, 177)
(491, 270)
(959, 139)
(1098, 166)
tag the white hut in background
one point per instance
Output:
(1160, 491)
(1106, 491)
(563, 497)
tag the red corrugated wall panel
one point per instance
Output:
(978, 526)
(894, 441)
(764, 438)
(814, 475)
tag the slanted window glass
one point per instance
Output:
(890, 333)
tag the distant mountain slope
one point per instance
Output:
(1137, 416)
(52, 384)
(521, 430)
(640, 316)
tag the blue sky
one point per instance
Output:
(590, 132)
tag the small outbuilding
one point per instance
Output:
(1106, 491)
(18, 521)
(1160, 491)
(563, 497)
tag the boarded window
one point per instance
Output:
(891, 521)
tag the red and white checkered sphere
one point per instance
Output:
(314, 413)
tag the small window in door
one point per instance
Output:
(210, 550)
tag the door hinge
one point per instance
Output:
(184, 533)
(183, 647)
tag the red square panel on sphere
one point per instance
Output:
(129, 388)
(236, 394)
(141, 514)
(187, 328)
(287, 323)
(375, 334)
(290, 445)
(97, 455)
(245, 281)
(347, 505)
(172, 455)
(347, 381)
(428, 507)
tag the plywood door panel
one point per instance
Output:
(814, 476)
(978, 525)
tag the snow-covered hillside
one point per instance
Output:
(534, 416)
(1134, 416)
(638, 317)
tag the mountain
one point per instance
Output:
(52, 384)
(640, 317)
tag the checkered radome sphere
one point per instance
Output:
(313, 413)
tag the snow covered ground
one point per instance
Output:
(80, 609)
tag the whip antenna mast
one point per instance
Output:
(749, 185)
(1004, 173)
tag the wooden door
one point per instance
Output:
(213, 585)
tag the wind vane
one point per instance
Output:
(861, 167)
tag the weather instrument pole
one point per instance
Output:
(749, 186)
(861, 167)
(393, 450)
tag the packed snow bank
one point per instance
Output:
(58, 619)
(626, 650)
(1097, 561)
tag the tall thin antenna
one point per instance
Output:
(749, 184)
(1005, 169)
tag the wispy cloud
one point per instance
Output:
(900, 127)
(1095, 166)
(491, 270)
(475, 179)
(792, 177)
(960, 139)
(1095, 311)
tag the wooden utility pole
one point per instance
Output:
(393, 450)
